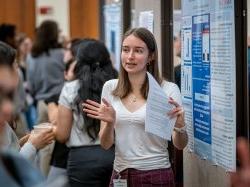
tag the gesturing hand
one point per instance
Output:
(104, 112)
(176, 112)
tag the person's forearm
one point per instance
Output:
(180, 140)
(107, 136)
(28, 151)
(61, 137)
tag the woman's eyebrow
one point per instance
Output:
(137, 47)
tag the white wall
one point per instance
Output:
(60, 13)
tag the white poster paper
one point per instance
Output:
(146, 19)
(157, 121)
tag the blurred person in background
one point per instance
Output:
(45, 75)
(63, 39)
(8, 34)
(24, 45)
(18, 122)
(69, 66)
(12, 173)
(88, 164)
(8, 84)
(176, 156)
(45, 70)
(71, 50)
(177, 59)
(60, 153)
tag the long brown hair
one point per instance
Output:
(46, 38)
(124, 86)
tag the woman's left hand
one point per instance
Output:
(177, 112)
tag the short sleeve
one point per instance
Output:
(108, 88)
(67, 95)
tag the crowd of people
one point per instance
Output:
(95, 133)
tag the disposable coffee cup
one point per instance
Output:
(42, 127)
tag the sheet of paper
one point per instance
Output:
(157, 121)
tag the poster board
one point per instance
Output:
(208, 79)
(113, 31)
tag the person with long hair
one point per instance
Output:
(88, 164)
(24, 45)
(141, 158)
(45, 76)
(45, 70)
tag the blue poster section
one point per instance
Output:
(201, 84)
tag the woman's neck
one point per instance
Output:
(136, 81)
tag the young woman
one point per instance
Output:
(140, 158)
(45, 71)
(88, 164)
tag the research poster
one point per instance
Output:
(177, 22)
(113, 31)
(208, 79)
(146, 19)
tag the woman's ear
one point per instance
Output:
(151, 58)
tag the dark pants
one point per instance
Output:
(90, 166)
(149, 178)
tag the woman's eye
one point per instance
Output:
(140, 51)
(125, 50)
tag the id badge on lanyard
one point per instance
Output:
(120, 182)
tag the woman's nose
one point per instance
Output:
(131, 54)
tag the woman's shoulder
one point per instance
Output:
(110, 84)
(10, 139)
(56, 53)
(71, 87)
(69, 92)
(108, 88)
(71, 84)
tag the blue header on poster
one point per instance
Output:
(201, 77)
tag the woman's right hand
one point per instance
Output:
(104, 112)
(40, 139)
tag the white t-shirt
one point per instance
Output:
(135, 148)
(78, 135)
